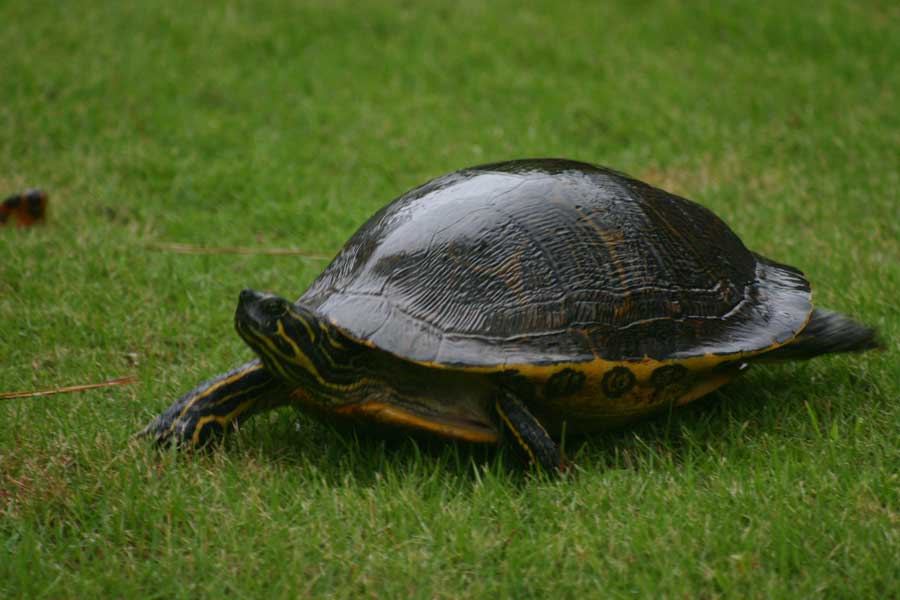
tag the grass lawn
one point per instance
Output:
(253, 124)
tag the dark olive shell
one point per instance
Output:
(549, 261)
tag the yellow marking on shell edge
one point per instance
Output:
(394, 415)
(515, 432)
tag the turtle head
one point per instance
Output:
(260, 313)
(287, 337)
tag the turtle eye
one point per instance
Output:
(273, 307)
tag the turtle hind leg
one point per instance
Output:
(530, 435)
(216, 406)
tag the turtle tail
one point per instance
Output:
(826, 332)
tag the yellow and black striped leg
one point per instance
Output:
(217, 405)
(531, 436)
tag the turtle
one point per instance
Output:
(517, 301)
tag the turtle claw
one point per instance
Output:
(166, 432)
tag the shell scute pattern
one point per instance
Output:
(545, 262)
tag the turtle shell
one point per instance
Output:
(549, 261)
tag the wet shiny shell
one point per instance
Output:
(552, 261)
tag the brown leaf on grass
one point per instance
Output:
(29, 208)
(127, 380)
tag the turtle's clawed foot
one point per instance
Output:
(179, 427)
(216, 406)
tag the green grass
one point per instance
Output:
(247, 123)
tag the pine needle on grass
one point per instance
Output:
(127, 380)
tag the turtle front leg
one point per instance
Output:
(534, 440)
(217, 405)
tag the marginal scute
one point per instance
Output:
(617, 382)
(564, 383)
(667, 375)
(552, 261)
(670, 383)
